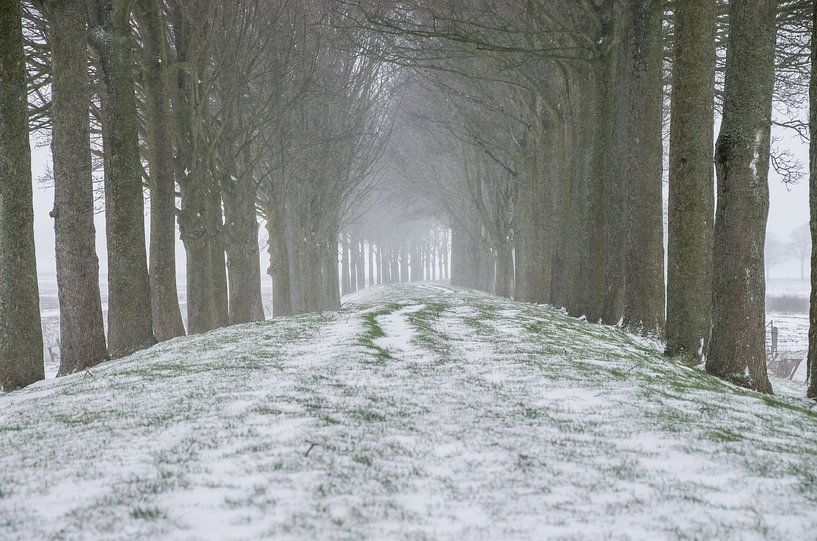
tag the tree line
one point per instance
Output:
(533, 132)
(548, 121)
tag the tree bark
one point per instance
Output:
(130, 320)
(345, 264)
(82, 333)
(167, 317)
(736, 346)
(218, 269)
(811, 363)
(644, 268)
(190, 175)
(241, 235)
(279, 263)
(21, 339)
(691, 194)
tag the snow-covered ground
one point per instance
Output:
(415, 412)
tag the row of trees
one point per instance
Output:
(221, 112)
(533, 130)
(545, 120)
(419, 251)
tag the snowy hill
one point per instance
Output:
(417, 412)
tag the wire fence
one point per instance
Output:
(782, 359)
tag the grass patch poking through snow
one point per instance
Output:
(418, 411)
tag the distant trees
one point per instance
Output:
(774, 252)
(799, 246)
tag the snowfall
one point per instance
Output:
(414, 412)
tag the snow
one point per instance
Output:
(756, 156)
(414, 412)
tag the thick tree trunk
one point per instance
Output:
(311, 270)
(691, 197)
(534, 231)
(812, 330)
(329, 279)
(241, 236)
(190, 173)
(644, 268)
(200, 309)
(21, 339)
(293, 248)
(218, 269)
(736, 346)
(504, 269)
(130, 319)
(279, 262)
(619, 75)
(167, 317)
(580, 259)
(561, 284)
(82, 333)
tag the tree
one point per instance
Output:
(691, 191)
(156, 69)
(129, 297)
(774, 252)
(82, 334)
(21, 340)
(812, 331)
(800, 245)
(644, 267)
(736, 346)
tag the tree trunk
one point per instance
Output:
(811, 364)
(404, 263)
(21, 339)
(293, 246)
(370, 254)
(416, 262)
(130, 319)
(345, 263)
(361, 264)
(190, 173)
(241, 235)
(82, 333)
(218, 269)
(691, 197)
(279, 263)
(644, 268)
(736, 346)
(167, 317)
(504, 269)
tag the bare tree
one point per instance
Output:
(691, 190)
(799, 245)
(21, 340)
(82, 334)
(736, 346)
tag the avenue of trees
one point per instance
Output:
(513, 147)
